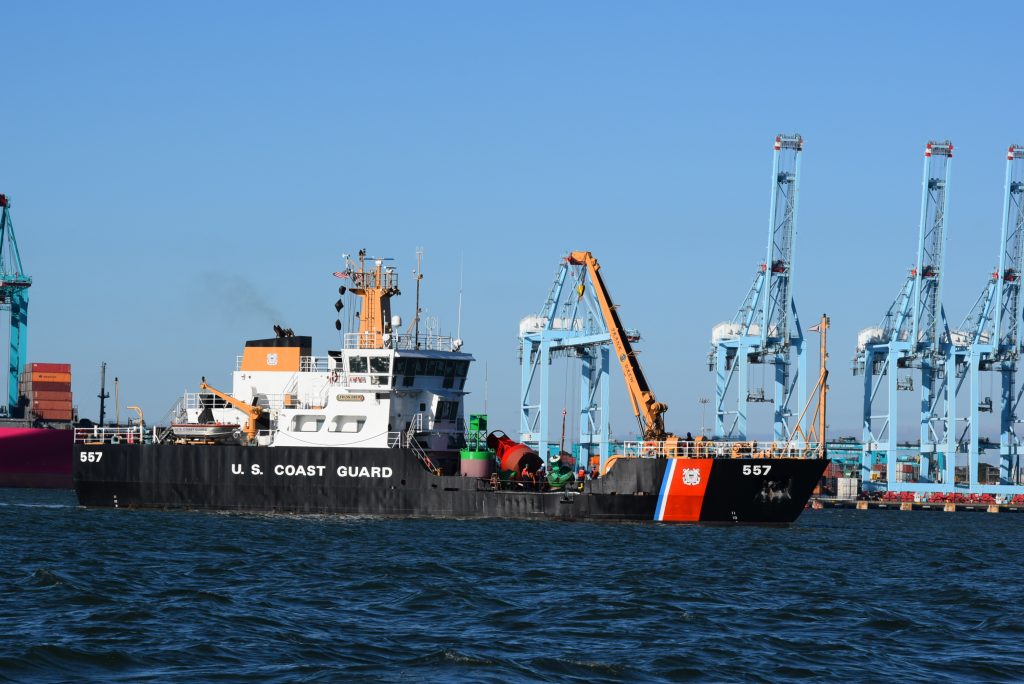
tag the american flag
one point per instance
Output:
(341, 274)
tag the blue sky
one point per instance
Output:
(183, 176)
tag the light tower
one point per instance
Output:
(14, 286)
(989, 341)
(766, 329)
(913, 339)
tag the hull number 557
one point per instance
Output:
(90, 456)
(751, 470)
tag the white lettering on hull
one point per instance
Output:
(301, 470)
(364, 471)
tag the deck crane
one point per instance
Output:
(253, 413)
(913, 336)
(766, 328)
(989, 337)
(648, 410)
(14, 285)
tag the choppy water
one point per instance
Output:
(843, 595)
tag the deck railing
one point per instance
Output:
(709, 449)
(115, 435)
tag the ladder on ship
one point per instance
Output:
(416, 425)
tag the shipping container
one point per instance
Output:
(61, 416)
(49, 367)
(35, 397)
(54, 405)
(50, 377)
(27, 388)
(847, 487)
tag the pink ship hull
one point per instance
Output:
(35, 457)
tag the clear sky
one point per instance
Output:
(185, 175)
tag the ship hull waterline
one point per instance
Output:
(394, 483)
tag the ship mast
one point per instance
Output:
(375, 289)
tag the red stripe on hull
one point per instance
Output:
(684, 490)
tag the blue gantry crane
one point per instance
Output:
(570, 324)
(988, 341)
(14, 286)
(766, 329)
(913, 340)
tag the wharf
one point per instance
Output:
(820, 502)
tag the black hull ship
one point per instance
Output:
(395, 482)
(377, 428)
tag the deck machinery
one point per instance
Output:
(766, 328)
(14, 285)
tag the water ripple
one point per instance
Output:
(142, 596)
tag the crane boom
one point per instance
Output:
(648, 410)
(252, 412)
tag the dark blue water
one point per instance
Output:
(110, 595)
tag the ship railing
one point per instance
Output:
(313, 401)
(372, 340)
(719, 449)
(137, 434)
(307, 364)
(427, 342)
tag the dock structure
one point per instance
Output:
(913, 348)
(766, 328)
(14, 287)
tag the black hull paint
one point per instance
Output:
(392, 482)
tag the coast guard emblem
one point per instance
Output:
(691, 476)
(271, 359)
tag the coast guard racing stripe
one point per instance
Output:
(682, 489)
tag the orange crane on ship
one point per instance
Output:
(648, 410)
(252, 411)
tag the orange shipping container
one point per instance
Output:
(50, 377)
(55, 405)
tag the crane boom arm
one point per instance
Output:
(649, 411)
(252, 412)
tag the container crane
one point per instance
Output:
(914, 337)
(648, 410)
(989, 340)
(766, 328)
(14, 285)
(569, 324)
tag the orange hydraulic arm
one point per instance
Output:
(253, 412)
(648, 410)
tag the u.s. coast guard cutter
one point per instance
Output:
(377, 428)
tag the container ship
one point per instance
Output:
(377, 428)
(34, 449)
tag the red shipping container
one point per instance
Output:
(49, 396)
(28, 387)
(64, 416)
(49, 367)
